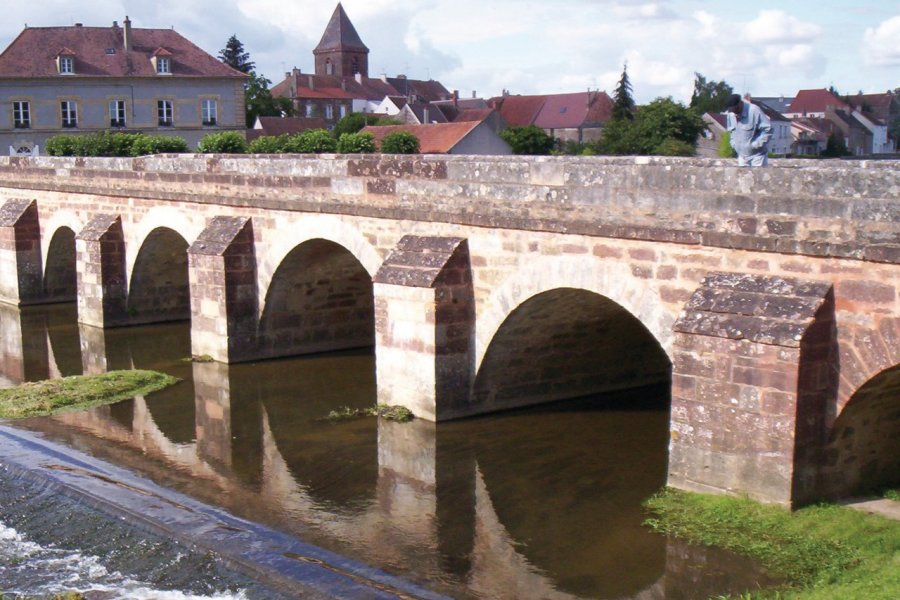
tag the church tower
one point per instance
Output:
(341, 52)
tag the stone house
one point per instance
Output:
(77, 79)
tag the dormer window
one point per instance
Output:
(65, 62)
(162, 61)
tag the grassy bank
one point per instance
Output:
(823, 551)
(73, 393)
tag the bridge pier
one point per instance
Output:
(21, 280)
(101, 277)
(425, 327)
(224, 298)
(754, 379)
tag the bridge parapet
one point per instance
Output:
(812, 208)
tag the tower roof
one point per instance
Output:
(340, 34)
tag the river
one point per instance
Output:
(536, 503)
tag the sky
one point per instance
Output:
(482, 47)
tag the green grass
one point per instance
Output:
(74, 393)
(892, 495)
(822, 551)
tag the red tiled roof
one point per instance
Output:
(518, 111)
(815, 101)
(437, 138)
(333, 86)
(555, 111)
(100, 52)
(473, 114)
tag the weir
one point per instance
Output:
(770, 297)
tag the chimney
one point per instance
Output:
(455, 98)
(78, 25)
(473, 94)
(127, 35)
(115, 24)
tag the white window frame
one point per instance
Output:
(165, 112)
(68, 112)
(117, 113)
(342, 110)
(163, 65)
(66, 65)
(21, 114)
(209, 111)
(310, 109)
(329, 112)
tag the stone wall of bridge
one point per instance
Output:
(634, 237)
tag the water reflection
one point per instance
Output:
(538, 503)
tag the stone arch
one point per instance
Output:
(319, 299)
(58, 219)
(613, 280)
(159, 288)
(60, 278)
(862, 453)
(864, 353)
(567, 343)
(281, 239)
(187, 226)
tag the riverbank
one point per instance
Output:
(822, 552)
(279, 561)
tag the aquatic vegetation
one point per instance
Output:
(401, 414)
(78, 392)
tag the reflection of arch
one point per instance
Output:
(614, 280)
(159, 289)
(60, 281)
(566, 343)
(319, 299)
(863, 450)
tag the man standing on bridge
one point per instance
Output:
(750, 131)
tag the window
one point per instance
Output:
(355, 65)
(117, 113)
(66, 64)
(310, 109)
(329, 112)
(208, 111)
(163, 65)
(329, 67)
(343, 111)
(69, 111)
(21, 115)
(164, 111)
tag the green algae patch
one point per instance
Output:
(391, 413)
(52, 396)
(822, 551)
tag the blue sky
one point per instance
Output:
(767, 48)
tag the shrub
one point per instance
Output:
(673, 147)
(400, 142)
(356, 143)
(60, 145)
(268, 144)
(225, 142)
(725, 149)
(311, 141)
(158, 144)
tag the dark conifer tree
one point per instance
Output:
(623, 102)
(233, 54)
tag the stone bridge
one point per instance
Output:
(768, 298)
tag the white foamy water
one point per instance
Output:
(31, 569)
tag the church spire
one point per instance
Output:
(340, 51)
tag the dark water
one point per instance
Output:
(539, 503)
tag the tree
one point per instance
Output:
(653, 127)
(528, 140)
(356, 143)
(835, 147)
(623, 102)
(725, 149)
(225, 142)
(233, 55)
(709, 96)
(259, 101)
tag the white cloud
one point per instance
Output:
(777, 27)
(881, 45)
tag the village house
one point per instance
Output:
(341, 83)
(77, 79)
(577, 117)
(464, 137)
